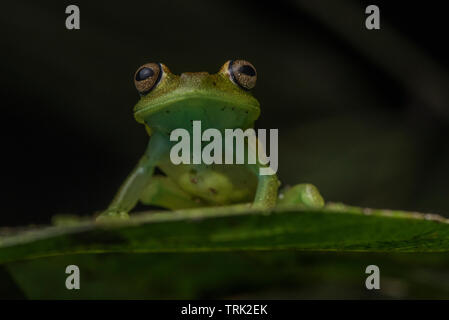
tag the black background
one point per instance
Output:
(364, 115)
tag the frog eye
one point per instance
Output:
(242, 73)
(147, 77)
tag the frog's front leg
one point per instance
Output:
(267, 186)
(267, 191)
(306, 195)
(130, 191)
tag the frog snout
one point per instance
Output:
(186, 75)
(194, 79)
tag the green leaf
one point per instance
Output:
(282, 274)
(336, 227)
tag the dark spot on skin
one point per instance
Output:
(214, 83)
(167, 111)
(193, 171)
(194, 180)
(248, 70)
(233, 108)
(222, 109)
(214, 191)
(246, 111)
(159, 172)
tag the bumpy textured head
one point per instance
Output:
(220, 100)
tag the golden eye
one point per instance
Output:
(147, 77)
(243, 73)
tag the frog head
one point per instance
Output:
(221, 100)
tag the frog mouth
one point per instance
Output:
(250, 108)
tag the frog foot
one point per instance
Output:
(306, 195)
(112, 215)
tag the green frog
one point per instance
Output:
(222, 101)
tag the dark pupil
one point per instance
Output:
(144, 73)
(249, 71)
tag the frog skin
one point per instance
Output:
(221, 101)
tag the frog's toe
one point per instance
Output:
(110, 215)
(302, 194)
